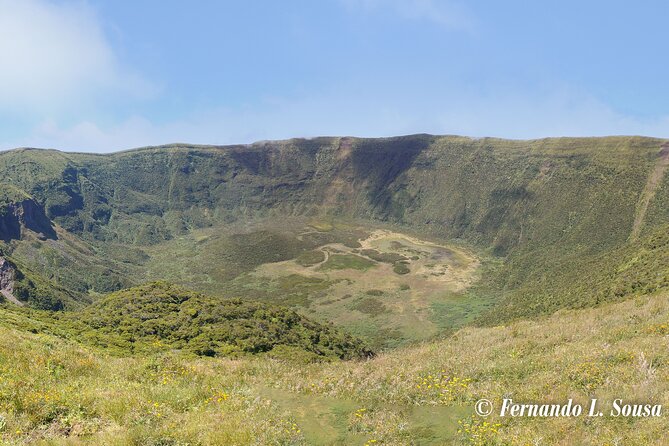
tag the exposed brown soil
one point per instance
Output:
(7, 274)
(654, 180)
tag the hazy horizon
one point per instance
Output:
(262, 141)
(99, 76)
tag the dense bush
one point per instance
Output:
(160, 315)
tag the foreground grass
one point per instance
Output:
(55, 392)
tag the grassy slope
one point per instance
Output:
(66, 272)
(52, 389)
(635, 268)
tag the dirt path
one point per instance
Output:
(654, 180)
(327, 257)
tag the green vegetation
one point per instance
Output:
(310, 258)
(34, 290)
(386, 257)
(512, 261)
(421, 394)
(370, 305)
(346, 261)
(11, 194)
(160, 317)
(321, 226)
(243, 252)
(545, 206)
(401, 268)
(300, 289)
(633, 269)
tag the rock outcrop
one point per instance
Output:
(27, 214)
(7, 276)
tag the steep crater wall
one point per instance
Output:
(539, 204)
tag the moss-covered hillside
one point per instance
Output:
(160, 317)
(546, 207)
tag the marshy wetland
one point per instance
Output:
(382, 284)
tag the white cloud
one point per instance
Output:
(54, 57)
(315, 115)
(447, 13)
(507, 114)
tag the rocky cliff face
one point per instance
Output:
(17, 217)
(507, 195)
(7, 276)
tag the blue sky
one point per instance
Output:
(103, 75)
